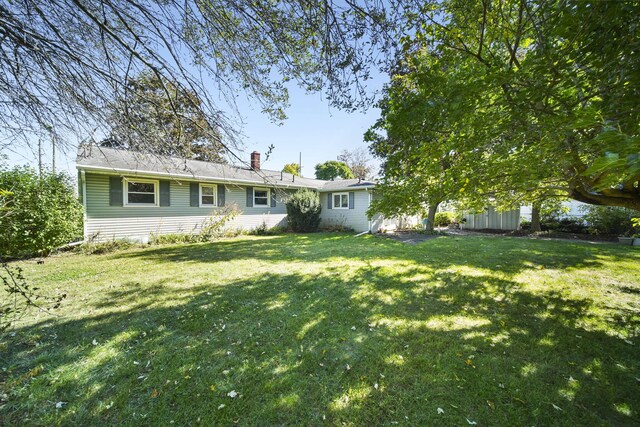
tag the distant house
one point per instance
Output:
(130, 195)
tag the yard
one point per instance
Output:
(332, 329)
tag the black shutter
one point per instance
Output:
(329, 200)
(115, 191)
(165, 195)
(352, 199)
(249, 197)
(194, 195)
(220, 194)
(273, 197)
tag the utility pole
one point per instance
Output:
(53, 151)
(40, 157)
(300, 164)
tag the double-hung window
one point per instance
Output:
(140, 192)
(208, 194)
(261, 197)
(341, 200)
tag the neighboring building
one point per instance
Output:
(130, 195)
(492, 219)
(572, 209)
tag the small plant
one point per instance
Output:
(303, 211)
(101, 248)
(18, 296)
(262, 229)
(215, 224)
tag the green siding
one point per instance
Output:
(127, 221)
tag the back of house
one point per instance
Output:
(132, 195)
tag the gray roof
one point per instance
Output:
(93, 157)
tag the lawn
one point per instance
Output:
(332, 329)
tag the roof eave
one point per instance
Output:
(105, 169)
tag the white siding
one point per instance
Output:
(122, 222)
(355, 218)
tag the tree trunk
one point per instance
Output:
(535, 217)
(431, 216)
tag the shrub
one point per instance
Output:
(444, 219)
(564, 225)
(37, 213)
(303, 211)
(610, 220)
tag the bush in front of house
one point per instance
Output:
(610, 220)
(37, 213)
(303, 211)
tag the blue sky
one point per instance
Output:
(314, 128)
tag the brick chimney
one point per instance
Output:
(255, 160)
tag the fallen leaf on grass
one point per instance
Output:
(232, 394)
(60, 405)
(557, 408)
(440, 411)
(154, 393)
(471, 423)
(491, 404)
(221, 406)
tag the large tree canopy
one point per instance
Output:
(160, 117)
(515, 101)
(63, 61)
(332, 169)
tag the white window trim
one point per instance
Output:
(215, 196)
(125, 193)
(333, 200)
(268, 190)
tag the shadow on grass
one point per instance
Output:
(373, 348)
(509, 255)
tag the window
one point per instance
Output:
(261, 197)
(208, 194)
(141, 192)
(341, 200)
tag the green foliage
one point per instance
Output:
(502, 101)
(161, 116)
(444, 219)
(107, 247)
(332, 169)
(303, 211)
(18, 296)
(292, 168)
(610, 221)
(37, 214)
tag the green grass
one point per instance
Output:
(332, 329)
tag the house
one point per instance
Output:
(131, 195)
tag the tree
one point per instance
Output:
(358, 161)
(332, 169)
(161, 117)
(541, 106)
(292, 168)
(63, 62)
(38, 213)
